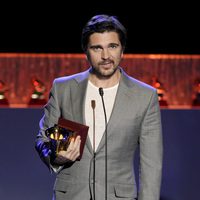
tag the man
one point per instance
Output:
(133, 117)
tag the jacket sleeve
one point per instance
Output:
(151, 152)
(49, 119)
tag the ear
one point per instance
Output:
(87, 56)
(122, 54)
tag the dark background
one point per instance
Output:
(49, 27)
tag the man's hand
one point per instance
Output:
(72, 153)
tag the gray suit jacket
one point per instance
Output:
(135, 119)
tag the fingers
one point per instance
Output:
(74, 144)
(72, 153)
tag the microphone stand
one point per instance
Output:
(94, 154)
(106, 146)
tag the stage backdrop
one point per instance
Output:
(23, 176)
(177, 73)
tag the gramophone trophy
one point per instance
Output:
(160, 91)
(60, 138)
(61, 134)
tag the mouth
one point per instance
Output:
(108, 63)
(106, 66)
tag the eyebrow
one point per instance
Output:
(99, 46)
(95, 46)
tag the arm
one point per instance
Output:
(151, 150)
(42, 144)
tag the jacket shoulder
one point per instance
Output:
(136, 84)
(71, 78)
(141, 84)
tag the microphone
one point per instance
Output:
(93, 105)
(101, 92)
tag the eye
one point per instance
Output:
(113, 46)
(96, 48)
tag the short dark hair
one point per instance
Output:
(100, 24)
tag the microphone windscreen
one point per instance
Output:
(93, 104)
(101, 91)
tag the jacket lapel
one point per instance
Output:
(121, 97)
(78, 98)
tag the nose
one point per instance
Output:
(105, 54)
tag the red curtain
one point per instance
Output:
(177, 73)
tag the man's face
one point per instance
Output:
(104, 53)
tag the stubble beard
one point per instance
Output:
(103, 73)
